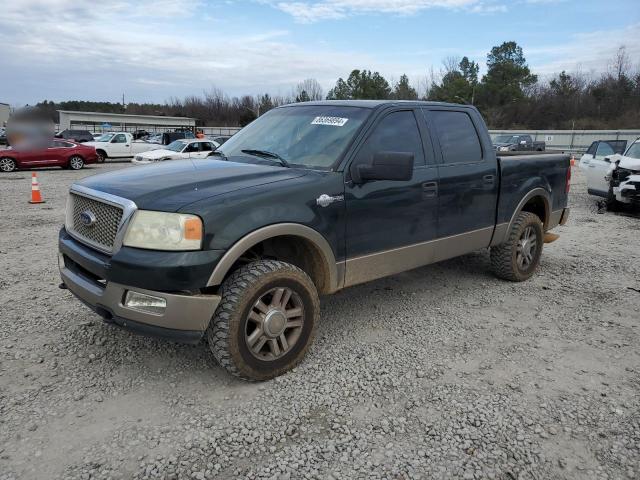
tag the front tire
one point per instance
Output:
(7, 164)
(102, 156)
(518, 258)
(266, 320)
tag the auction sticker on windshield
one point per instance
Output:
(332, 121)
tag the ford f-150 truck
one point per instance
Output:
(517, 143)
(308, 199)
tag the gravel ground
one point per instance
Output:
(442, 372)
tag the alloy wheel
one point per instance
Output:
(7, 164)
(274, 324)
(526, 248)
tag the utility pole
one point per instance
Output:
(124, 107)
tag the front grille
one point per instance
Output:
(102, 233)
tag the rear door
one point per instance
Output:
(468, 180)
(389, 221)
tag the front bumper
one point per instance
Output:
(185, 318)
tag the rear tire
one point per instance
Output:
(266, 320)
(518, 258)
(7, 164)
(76, 163)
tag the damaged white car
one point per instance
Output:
(617, 178)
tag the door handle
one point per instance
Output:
(430, 189)
(592, 166)
(488, 179)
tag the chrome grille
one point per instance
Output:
(103, 232)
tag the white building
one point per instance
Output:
(95, 121)
(5, 112)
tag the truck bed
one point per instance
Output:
(520, 174)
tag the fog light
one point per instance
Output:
(145, 303)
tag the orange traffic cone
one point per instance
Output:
(573, 160)
(36, 196)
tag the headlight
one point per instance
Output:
(164, 231)
(504, 149)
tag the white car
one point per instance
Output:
(176, 150)
(595, 165)
(118, 145)
(615, 177)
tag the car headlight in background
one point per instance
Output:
(164, 231)
(504, 149)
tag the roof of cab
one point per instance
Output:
(373, 103)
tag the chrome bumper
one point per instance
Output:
(185, 318)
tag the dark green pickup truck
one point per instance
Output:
(308, 199)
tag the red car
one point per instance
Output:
(60, 153)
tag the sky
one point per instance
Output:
(154, 50)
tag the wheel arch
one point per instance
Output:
(301, 245)
(537, 201)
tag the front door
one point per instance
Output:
(596, 169)
(468, 181)
(390, 222)
(120, 146)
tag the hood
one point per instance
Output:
(168, 186)
(95, 144)
(629, 163)
(157, 153)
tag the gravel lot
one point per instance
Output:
(442, 372)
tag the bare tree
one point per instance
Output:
(309, 89)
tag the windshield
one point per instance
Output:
(506, 139)
(105, 137)
(176, 146)
(308, 136)
(634, 151)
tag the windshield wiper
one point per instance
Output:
(267, 154)
(219, 154)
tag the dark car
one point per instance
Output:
(169, 137)
(308, 199)
(78, 136)
(517, 143)
(220, 139)
(3, 137)
(58, 153)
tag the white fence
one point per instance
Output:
(576, 141)
(154, 129)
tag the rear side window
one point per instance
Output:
(458, 137)
(592, 148)
(397, 132)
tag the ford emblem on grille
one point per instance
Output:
(88, 219)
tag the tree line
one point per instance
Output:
(509, 95)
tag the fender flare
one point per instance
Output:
(502, 230)
(270, 231)
(536, 192)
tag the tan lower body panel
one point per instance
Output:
(381, 264)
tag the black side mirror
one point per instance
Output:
(385, 166)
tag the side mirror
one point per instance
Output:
(395, 166)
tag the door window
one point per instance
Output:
(397, 132)
(592, 148)
(206, 147)
(191, 148)
(120, 138)
(458, 137)
(604, 149)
